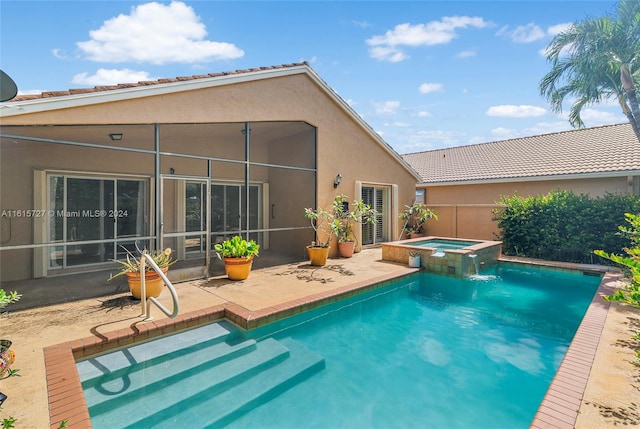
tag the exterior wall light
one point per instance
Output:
(115, 136)
(337, 181)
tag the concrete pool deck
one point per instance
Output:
(611, 397)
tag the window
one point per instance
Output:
(92, 216)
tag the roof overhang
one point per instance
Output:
(23, 107)
(574, 176)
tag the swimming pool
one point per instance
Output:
(451, 352)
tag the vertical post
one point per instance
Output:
(247, 131)
(143, 287)
(158, 193)
(207, 239)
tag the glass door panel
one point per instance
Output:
(184, 229)
(196, 195)
(93, 209)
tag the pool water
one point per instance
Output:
(441, 245)
(425, 351)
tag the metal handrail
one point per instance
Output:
(146, 303)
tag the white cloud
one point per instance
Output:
(553, 31)
(523, 33)
(546, 128)
(386, 53)
(558, 28)
(426, 88)
(361, 24)
(424, 114)
(503, 133)
(397, 124)
(30, 91)
(387, 47)
(156, 33)
(466, 54)
(386, 107)
(110, 77)
(58, 54)
(511, 111)
(593, 117)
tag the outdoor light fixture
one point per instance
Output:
(115, 136)
(337, 181)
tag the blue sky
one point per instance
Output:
(423, 74)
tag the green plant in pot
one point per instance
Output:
(130, 267)
(321, 221)
(414, 217)
(346, 218)
(414, 258)
(237, 254)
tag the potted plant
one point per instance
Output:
(414, 217)
(321, 221)
(131, 269)
(414, 258)
(237, 254)
(345, 219)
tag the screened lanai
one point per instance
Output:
(75, 197)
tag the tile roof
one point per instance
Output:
(51, 94)
(611, 149)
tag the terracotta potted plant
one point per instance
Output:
(346, 218)
(237, 254)
(414, 217)
(321, 221)
(153, 282)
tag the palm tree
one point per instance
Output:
(594, 60)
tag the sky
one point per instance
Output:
(424, 74)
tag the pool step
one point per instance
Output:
(191, 373)
(141, 393)
(214, 408)
(114, 365)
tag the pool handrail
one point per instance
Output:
(146, 302)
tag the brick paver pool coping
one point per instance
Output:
(559, 408)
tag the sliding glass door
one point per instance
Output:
(91, 216)
(229, 212)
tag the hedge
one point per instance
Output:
(563, 226)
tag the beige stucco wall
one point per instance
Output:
(341, 141)
(466, 211)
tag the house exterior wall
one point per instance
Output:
(341, 143)
(466, 211)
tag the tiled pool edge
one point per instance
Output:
(64, 389)
(561, 404)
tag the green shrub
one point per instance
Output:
(563, 226)
(631, 293)
(8, 298)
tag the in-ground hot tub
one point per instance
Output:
(447, 256)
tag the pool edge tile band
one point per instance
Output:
(554, 410)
